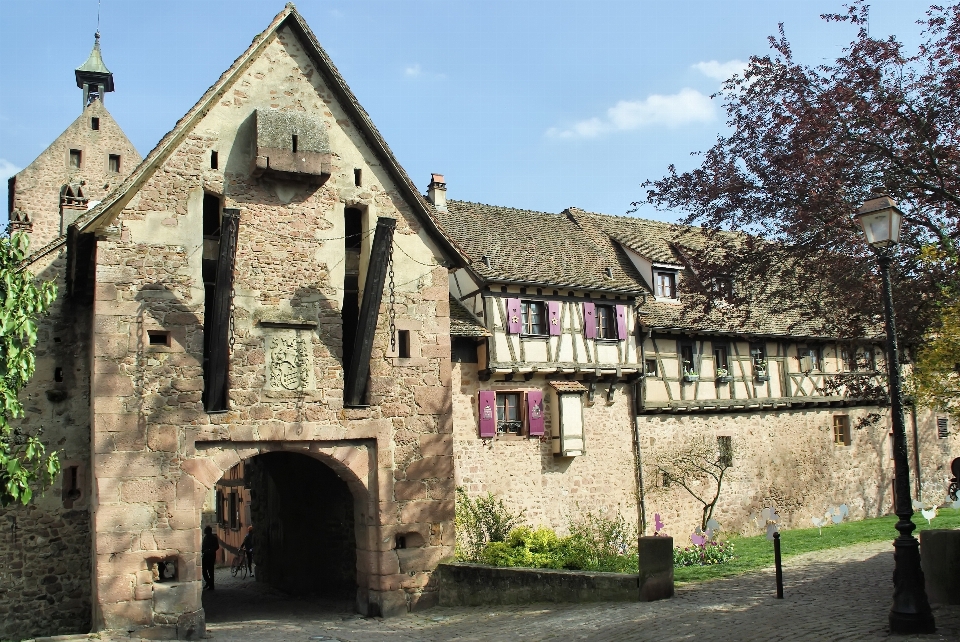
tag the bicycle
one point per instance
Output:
(239, 565)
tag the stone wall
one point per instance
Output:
(37, 187)
(158, 452)
(45, 547)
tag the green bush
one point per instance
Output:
(706, 555)
(479, 522)
(527, 548)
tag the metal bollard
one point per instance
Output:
(776, 559)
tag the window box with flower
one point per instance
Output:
(724, 376)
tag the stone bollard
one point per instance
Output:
(656, 568)
(940, 561)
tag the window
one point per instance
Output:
(720, 360)
(809, 358)
(214, 160)
(295, 145)
(853, 360)
(758, 355)
(942, 430)
(650, 367)
(725, 448)
(841, 430)
(666, 285)
(688, 364)
(606, 322)
(95, 124)
(509, 419)
(358, 177)
(113, 163)
(76, 156)
(158, 338)
(534, 317)
(219, 507)
(722, 287)
(234, 511)
(403, 344)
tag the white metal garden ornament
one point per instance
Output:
(834, 515)
(701, 537)
(928, 511)
(770, 520)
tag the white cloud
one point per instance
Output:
(686, 106)
(720, 70)
(412, 70)
(7, 169)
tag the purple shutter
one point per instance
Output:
(553, 317)
(514, 323)
(621, 322)
(487, 407)
(535, 413)
(589, 320)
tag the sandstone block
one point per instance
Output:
(118, 518)
(127, 464)
(162, 438)
(430, 467)
(432, 400)
(426, 510)
(119, 588)
(203, 470)
(436, 445)
(123, 615)
(406, 490)
(112, 385)
(419, 559)
(186, 541)
(147, 491)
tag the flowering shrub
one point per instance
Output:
(708, 554)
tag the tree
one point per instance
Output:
(935, 378)
(808, 146)
(699, 468)
(24, 463)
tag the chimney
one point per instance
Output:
(437, 191)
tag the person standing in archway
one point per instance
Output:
(208, 553)
(247, 546)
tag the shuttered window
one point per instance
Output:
(942, 430)
(553, 318)
(809, 358)
(511, 413)
(534, 318)
(508, 413)
(666, 285)
(514, 321)
(606, 322)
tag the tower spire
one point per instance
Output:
(93, 77)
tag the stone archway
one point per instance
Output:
(353, 464)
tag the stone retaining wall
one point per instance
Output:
(477, 585)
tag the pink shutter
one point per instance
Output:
(621, 322)
(553, 317)
(589, 320)
(535, 413)
(487, 407)
(514, 324)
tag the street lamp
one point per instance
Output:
(880, 219)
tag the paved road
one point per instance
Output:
(841, 594)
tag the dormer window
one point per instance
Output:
(666, 284)
(721, 287)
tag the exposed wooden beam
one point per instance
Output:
(216, 393)
(358, 369)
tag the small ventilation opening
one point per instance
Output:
(58, 374)
(95, 124)
(158, 338)
(401, 541)
(70, 490)
(113, 163)
(358, 177)
(214, 160)
(403, 344)
(295, 143)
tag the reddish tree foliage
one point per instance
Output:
(808, 146)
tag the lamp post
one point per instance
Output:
(880, 219)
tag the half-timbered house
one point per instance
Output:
(593, 372)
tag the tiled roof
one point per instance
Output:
(572, 249)
(567, 386)
(504, 244)
(462, 323)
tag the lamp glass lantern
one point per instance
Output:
(880, 219)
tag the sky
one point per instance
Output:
(534, 104)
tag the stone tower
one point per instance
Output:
(85, 163)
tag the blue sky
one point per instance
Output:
(536, 104)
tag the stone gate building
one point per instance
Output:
(266, 300)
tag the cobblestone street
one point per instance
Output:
(840, 594)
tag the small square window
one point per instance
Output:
(113, 163)
(95, 124)
(534, 318)
(606, 322)
(841, 430)
(666, 285)
(650, 367)
(76, 158)
(509, 421)
(688, 364)
(809, 358)
(158, 338)
(942, 428)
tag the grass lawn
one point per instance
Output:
(753, 553)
